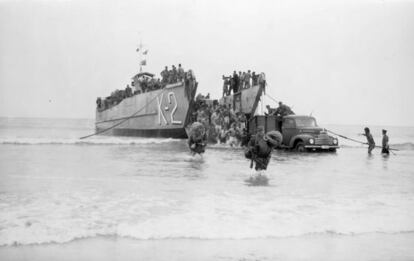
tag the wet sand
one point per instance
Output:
(311, 247)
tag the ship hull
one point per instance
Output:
(178, 133)
(164, 113)
(160, 113)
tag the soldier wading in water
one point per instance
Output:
(197, 138)
(260, 146)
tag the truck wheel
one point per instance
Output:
(300, 147)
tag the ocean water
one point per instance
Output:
(55, 188)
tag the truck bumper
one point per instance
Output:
(322, 147)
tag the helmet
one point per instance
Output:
(197, 130)
(273, 137)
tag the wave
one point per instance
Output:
(403, 146)
(111, 140)
(97, 141)
(39, 241)
(397, 146)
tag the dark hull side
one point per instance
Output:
(154, 133)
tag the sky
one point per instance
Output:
(346, 62)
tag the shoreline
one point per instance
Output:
(372, 246)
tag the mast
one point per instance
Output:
(142, 54)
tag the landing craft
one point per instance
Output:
(165, 111)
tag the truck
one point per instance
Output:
(300, 132)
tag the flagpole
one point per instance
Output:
(140, 56)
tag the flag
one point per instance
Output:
(145, 52)
(144, 62)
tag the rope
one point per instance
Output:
(119, 123)
(271, 98)
(339, 135)
(357, 141)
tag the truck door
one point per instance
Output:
(288, 130)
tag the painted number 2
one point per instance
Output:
(171, 96)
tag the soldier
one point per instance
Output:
(180, 73)
(225, 85)
(232, 84)
(170, 76)
(259, 150)
(174, 73)
(197, 140)
(283, 110)
(236, 82)
(255, 77)
(370, 139)
(385, 146)
(128, 91)
(270, 111)
(164, 75)
(241, 81)
(262, 82)
(216, 120)
(247, 77)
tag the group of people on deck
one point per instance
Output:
(115, 98)
(175, 75)
(145, 82)
(242, 80)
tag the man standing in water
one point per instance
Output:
(259, 150)
(370, 139)
(385, 146)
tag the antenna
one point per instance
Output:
(142, 52)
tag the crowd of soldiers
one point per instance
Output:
(224, 125)
(116, 97)
(242, 80)
(145, 82)
(167, 77)
(281, 111)
(174, 75)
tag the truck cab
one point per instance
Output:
(300, 133)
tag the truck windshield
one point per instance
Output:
(305, 122)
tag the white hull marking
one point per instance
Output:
(171, 94)
(160, 114)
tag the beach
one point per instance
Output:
(119, 198)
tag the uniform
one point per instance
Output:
(260, 152)
(385, 146)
